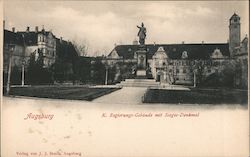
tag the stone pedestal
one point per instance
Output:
(141, 62)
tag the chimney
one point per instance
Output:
(28, 29)
(36, 29)
(4, 24)
(183, 42)
(13, 29)
(61, 39)
(202, 42)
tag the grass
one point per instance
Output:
(197, 96)
(61, 92)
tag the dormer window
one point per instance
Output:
(184, 55)
(217, 54)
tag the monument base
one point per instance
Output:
(141, 73)
(141, 62)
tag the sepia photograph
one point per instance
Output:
(124, 78)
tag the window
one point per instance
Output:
(184, 70)
(177, 71)
(209, 70)
(157, 63)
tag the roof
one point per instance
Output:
(65, 50)
(30, 38)
(12, 38)
(174, 51)
(234, 16)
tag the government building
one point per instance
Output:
(188, 64)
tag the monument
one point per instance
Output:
(141, 53)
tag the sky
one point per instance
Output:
(101, 25)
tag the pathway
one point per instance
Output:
(126, 95)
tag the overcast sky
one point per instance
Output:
(100, 25)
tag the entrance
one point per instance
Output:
(158, 78)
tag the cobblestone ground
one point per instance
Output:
(126, 95)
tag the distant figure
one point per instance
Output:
(142, 34)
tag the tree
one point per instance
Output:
(98, 71)
(37, 73)
(15, 76)
(81, 48)
(199, 68)
(83, 69)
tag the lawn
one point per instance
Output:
(61, 92)
(196, 96)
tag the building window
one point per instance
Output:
(170, 70)
(209, 70)
(177, 70)
(157, 63)
(184, 70)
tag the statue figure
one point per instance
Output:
(142, 34)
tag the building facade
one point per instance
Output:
(41, 43)
(19, 46)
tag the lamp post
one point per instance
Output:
(23, 62)
(23, 72)
(106, 73)
(106, 76)
(11, 50)
(194, 79)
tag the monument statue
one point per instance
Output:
(142, 34)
